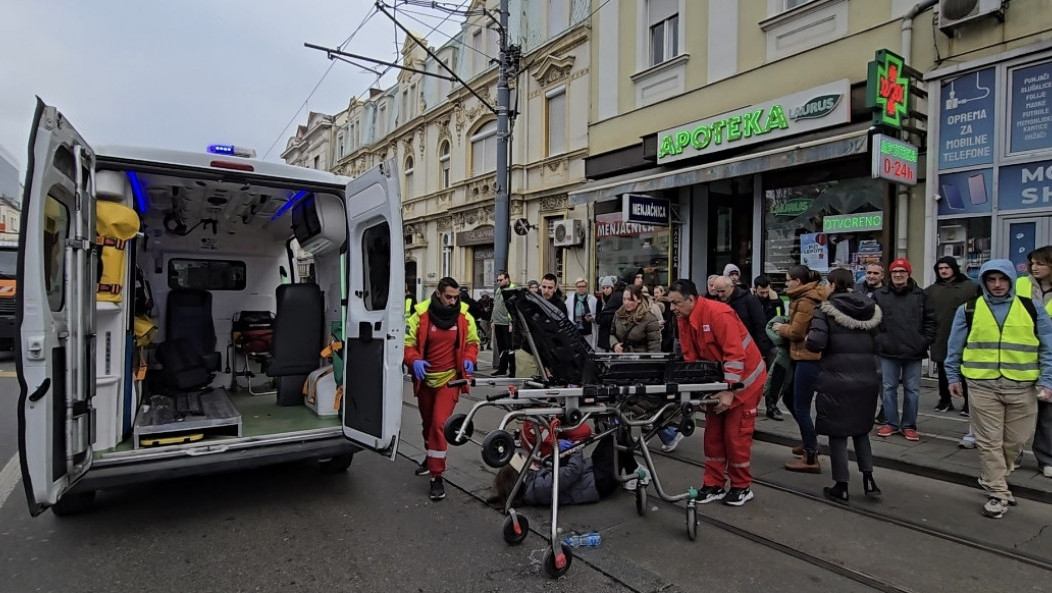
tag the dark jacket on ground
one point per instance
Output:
(945, 296)
(842, 330)
(908, 325)
(750, 311)
(576, 483)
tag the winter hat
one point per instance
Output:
(901, 263)
(950, 261)
(727, 269)
(607, 281)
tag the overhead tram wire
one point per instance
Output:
(409, 14)
(365, 19)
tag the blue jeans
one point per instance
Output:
(805, 379)
(667, 434)
(894, 370)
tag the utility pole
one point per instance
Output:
(502, 199)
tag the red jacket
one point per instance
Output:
(417, 327)
(715, 332)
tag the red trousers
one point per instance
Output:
(728, 442)
(436, 406)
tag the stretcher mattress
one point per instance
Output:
(570, 360)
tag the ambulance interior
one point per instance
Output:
(226, 334)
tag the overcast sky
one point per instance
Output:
(189, 73)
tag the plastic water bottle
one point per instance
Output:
(583, 540)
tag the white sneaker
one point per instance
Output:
(967, 441)
(671, 446)
(995, 508)
(1047, 471)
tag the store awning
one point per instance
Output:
(829, 148)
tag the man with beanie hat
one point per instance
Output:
(734, 273)
(901, 347)
(950, 290)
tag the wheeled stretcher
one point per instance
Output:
(633, 395)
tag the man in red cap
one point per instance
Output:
(907, 329)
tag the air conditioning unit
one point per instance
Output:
(568, 232)
(447, 239)
(954, 13)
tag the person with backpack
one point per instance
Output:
(1002, 348)
(1038, 287)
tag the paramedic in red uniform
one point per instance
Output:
(441, 344)
(711, 330)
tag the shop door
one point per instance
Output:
(730, 228)
(1023, 235)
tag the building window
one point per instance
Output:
(339, 142)
(791, 4)
(317, 162)
(553, 256)
(447, 254)
(558, 16)
(408, 173)
(555, 118)
(484, 149)
(478, 52)
(381, 122)
(663, 19)
(443, 164)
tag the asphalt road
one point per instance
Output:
(288, 528)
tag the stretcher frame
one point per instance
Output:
(554, 410)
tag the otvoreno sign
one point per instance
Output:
(645, 210)
(853, 223)
(819, 107)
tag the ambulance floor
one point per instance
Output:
(260, 415)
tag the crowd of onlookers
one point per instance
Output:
(837, 352)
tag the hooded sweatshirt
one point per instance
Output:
(945, 296)
(999, 307)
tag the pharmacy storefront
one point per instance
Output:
(991, 153)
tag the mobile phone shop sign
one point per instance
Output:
(1025, 186)
(816, 108)
(966, 120)
(1032, 108)
(642, 209)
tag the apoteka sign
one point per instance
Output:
(894, 160)
(815, 108)
(644, 209)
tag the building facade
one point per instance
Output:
(990, 142)
(442, 135)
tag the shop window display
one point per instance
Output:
(834, 224)
(620, 246)
(968, 240)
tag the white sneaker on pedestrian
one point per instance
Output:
(1047, 471)
(967, 441)
(671, 445)
(995, 508)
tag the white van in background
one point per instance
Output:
(102, 408)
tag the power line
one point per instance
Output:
(452, 38)
(369, 15)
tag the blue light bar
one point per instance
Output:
(292, 202)
(140, 196)
(231, 150)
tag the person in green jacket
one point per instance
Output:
(780, 375)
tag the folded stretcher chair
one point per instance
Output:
(640, 393)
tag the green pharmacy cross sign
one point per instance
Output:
(888, 89)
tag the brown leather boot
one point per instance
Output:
(799, 451)
(807, 464)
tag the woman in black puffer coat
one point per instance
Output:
(843, 330)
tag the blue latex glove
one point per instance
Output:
(469, 367)
(564, 445)
(419, 368)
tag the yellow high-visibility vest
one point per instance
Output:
(1010, 351)
(1025, 288)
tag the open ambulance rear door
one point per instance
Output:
(375, 315)
(56, 310)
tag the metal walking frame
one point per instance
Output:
(631, 396)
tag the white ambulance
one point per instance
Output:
(220, 364)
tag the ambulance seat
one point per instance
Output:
(299, 330)
(188, 317)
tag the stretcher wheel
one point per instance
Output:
(686, 428)
(452, 426)
(516, 528)
(692, 522)
(688, 410)
(573, 416)
(641, 500)
(498, 448)
(551, 562)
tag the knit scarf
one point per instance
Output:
(442, 316)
